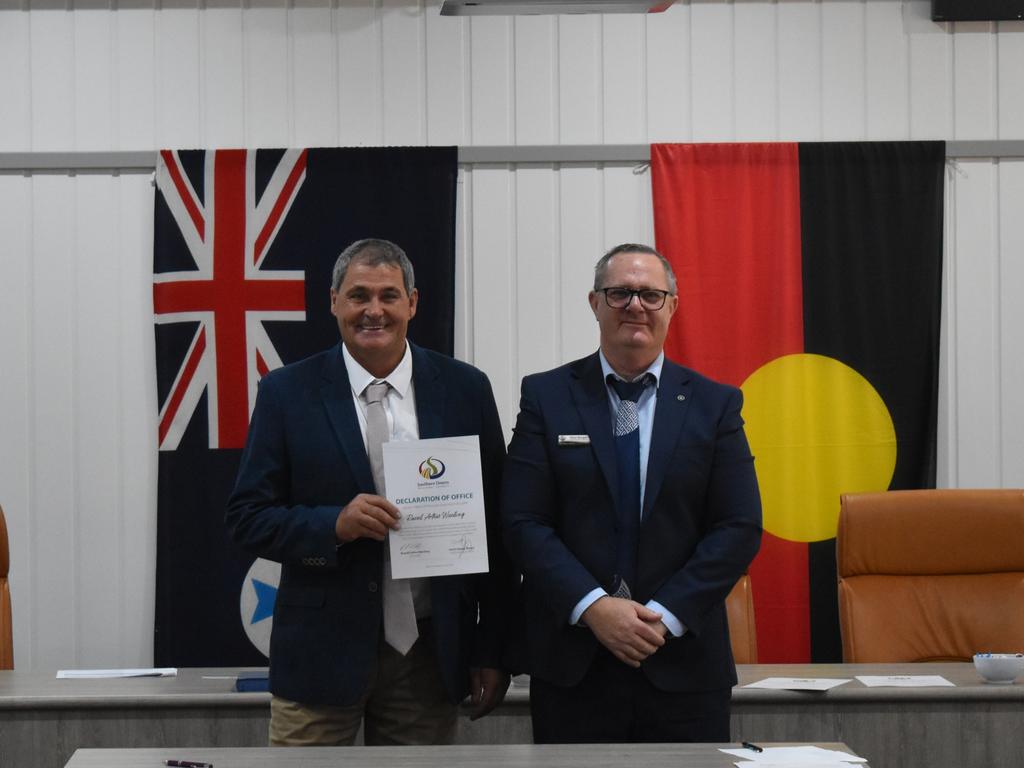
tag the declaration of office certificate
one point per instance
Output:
(437, 486)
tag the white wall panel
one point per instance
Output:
(77, 393)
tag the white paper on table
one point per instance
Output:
(92, 674)
(799, 683)
(801, 765)
(438, 487)
(802, 756)
(905, 681)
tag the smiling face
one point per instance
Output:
(373, 312)
(632, 337)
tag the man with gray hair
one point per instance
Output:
(350, 644)
(631, 504)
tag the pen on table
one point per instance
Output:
(748, 745)
(187, 764)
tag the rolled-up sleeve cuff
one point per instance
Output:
(675, 626)
(588, 600)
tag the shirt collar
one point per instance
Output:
(400, 378)
(654, 368)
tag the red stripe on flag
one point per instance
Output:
(727, 217)
(184, 192)
(182, 386)
(278, 210)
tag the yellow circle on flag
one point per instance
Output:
(817, 429)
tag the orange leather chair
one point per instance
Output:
(739, 609)
(933, 575)
(6, 635)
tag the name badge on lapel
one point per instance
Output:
(572, 440)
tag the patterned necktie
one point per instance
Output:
(627, 457)
(400, 630)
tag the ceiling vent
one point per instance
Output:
(527, 7)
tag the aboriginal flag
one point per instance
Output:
(244, 245)
(810, 276)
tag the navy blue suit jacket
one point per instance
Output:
(701, 521)
(303, 461)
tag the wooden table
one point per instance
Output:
(43, 720)
(465, 756)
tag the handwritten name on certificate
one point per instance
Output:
(437, 485)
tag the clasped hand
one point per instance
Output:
(631, 631)
(366, 516)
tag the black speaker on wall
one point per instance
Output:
(977, 10)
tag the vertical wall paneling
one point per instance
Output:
(974, 79)
(447, 97)
(17, 435)
(946, 448)
(756, 84)
(360, 93)
(222, 82)
(799, 72)
(536, 73)
(269, 117)
(178, 78)
(52, 80)
(1010, 76)
(668, 74)
(887, 74)
(579, 79)
(976, 271)
(403, 75)
(313, 75)
(491, 65)
(97, 438)
(93, 79)
(538, 288)
(581, 243)
(137, 414)
(623, 64)
(711, 71)
(931, 66)
(464, 304)
(1011, 321)
(495, 288)
(843, 68)
(626, 218)
(16, 84)
(53, 531)
(135, 76)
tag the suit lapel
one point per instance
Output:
(336, 392)
(674, 391)
(430, 394)
(591, 398)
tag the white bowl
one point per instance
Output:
(999, 668)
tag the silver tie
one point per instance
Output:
(399, 613)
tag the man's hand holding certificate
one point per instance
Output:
(437, 486)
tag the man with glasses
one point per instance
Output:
(631, 505)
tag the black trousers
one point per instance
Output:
(617, 704)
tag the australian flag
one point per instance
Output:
(243, 249)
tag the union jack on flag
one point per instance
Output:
(228, 229)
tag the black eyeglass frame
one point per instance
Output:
(638, 293)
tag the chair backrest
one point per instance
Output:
(6, 633)
(739, 608)
(933, 575)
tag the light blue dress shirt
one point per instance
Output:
(645, 414)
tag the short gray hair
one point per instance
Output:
(601, 268)
(373, 253)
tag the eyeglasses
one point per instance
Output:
(650, 298)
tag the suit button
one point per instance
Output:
(373, 586)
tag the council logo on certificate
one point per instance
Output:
(438, 487)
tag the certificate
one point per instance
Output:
(437, 486)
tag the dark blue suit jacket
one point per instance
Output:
(304, 460)
(701, 522)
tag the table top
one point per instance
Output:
(461, 756)
(212, 687)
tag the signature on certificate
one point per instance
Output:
(413, 549)
(461, 545)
